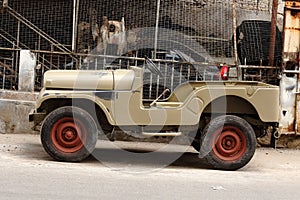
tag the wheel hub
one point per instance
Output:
(70, 134)
(67, 135)
(230, 144)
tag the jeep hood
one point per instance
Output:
(90, 80)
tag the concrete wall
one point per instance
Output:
(14, 110)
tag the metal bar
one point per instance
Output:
(96, 64)
(3, 79)
(291, 71)
(18, 34)
(150, 86)
(6, 66)
(296, 114)
(256, 67)
(273, 32)
(5, 38)
(11, 37)
(165, 75)
(51, 61)
(75, 24)
(157, 86)
(39, 43)
(235, 37)
(189, 72)
(16, 61)
(172, 77)
(156, 28)
(39, 31)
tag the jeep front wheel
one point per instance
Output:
(69, 134)
(228, 142)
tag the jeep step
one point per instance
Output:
(166, 134)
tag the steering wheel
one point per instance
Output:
(152, 67)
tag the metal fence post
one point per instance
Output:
(156, 27)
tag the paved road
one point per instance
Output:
(27, 172)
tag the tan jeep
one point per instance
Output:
(223, 118)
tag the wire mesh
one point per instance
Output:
(8, 73)
(185, 38)
(205, 27)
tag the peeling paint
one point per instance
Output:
(289, 98)
(287, 103)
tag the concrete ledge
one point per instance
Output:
(14, 110)
(16, 95)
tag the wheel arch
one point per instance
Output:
(235, 105)
(99, 112)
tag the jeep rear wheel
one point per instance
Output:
(69, 134)
(228, 143)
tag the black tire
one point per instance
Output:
(228, 143)
(69, 134)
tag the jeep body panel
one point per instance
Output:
(118, 93)
(262, 97)
(195, 101)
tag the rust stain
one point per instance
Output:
(273, 32)
(288, 87)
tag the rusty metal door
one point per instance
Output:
(289, 84)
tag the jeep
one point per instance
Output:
(222, 118)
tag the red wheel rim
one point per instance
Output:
(68, 135)
(229, 143)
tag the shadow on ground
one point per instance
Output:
(139, 157)
(125, 157)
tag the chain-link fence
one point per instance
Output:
(187, 39)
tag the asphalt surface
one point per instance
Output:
(27, 172)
